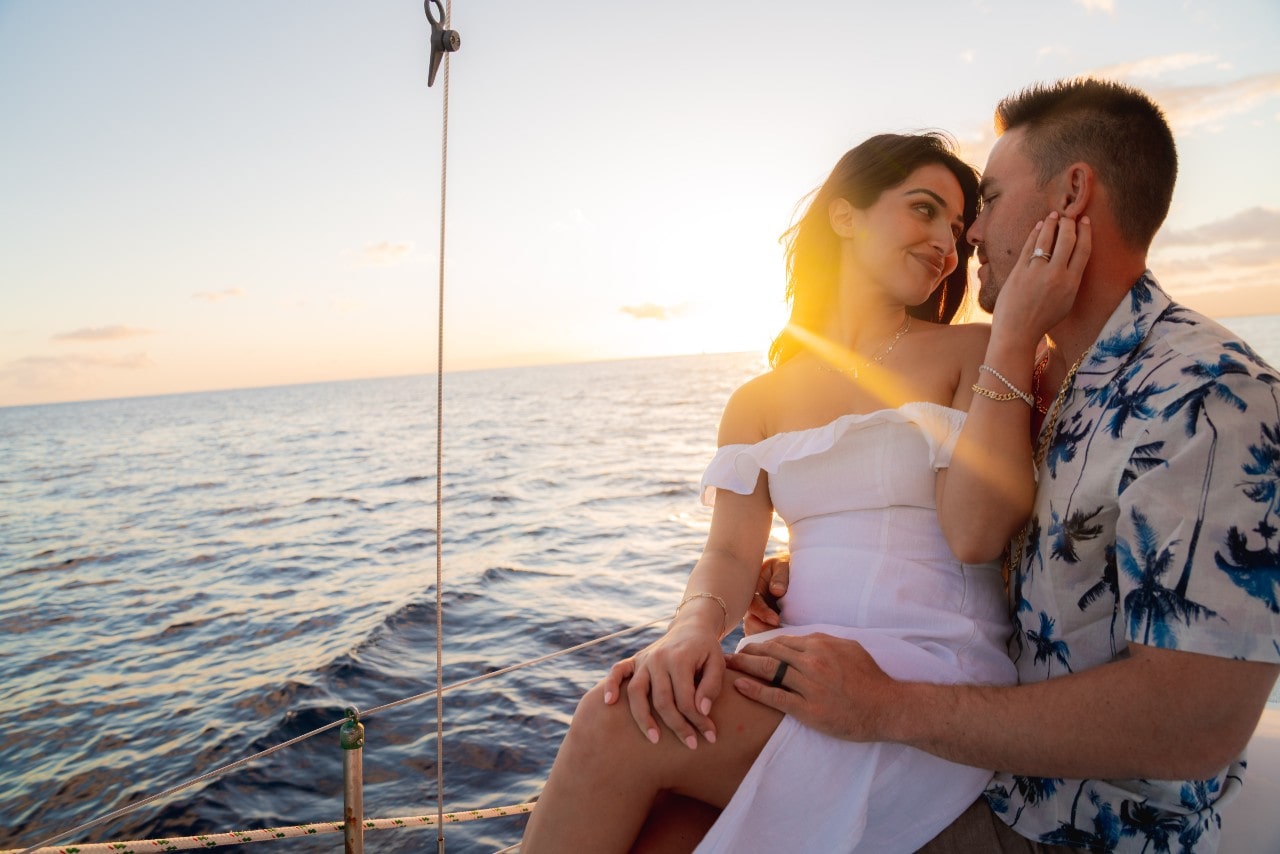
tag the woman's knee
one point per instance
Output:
(594, 721)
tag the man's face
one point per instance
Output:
(1012, 204)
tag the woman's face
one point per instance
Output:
(904, 244)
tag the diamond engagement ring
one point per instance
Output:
(1040, 253)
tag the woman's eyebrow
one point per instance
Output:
(931, 194)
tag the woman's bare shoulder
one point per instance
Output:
(965, 342)
(745, 417)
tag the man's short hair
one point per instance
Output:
(1116, 129)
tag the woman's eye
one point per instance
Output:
(926, 209)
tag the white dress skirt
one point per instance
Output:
(868, 562)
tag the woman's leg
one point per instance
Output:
(607, 775)
(675, 825)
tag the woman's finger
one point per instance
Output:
(612, 684)
(668, 708)
(1064, 242)
(1041, 241)
(638, 700)
(1083, 248)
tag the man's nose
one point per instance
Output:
(974, 234)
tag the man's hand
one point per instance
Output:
(831, 684)
(762, 613)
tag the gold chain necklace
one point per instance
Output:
(1037, 376)
(876, 357)
(1043, 441)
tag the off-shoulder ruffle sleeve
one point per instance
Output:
(737, 467)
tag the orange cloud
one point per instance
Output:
(45, 371)
(219, 296)
(1226, 267)
(385, 253)
(650, 311)
(102, 333)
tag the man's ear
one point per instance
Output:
(1078, 186)
(843, 217)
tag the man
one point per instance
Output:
(1145, 585)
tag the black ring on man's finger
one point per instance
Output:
(779, 674)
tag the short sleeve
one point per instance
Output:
(1197, 556)
(735, 468)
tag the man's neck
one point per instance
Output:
(1102, 289)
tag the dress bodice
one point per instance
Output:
(867, 551)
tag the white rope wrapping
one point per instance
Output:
(239, 837)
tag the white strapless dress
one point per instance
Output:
(868, 562)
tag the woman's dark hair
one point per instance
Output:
(863, 173)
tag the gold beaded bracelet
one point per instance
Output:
(718, 601)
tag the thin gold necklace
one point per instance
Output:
(1043, 441)
(876, 357)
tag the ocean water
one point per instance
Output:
(191, 579)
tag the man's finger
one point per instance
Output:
(775, 698)
(761, 615)
(780, 582)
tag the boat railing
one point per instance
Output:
(353, 823)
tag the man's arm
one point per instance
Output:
(1115, 721)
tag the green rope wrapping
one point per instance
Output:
(239, 837)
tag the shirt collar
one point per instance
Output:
(1128, 326)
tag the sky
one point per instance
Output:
(199, 196)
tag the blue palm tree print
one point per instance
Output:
(1155, 824)
(1033, 791)
(1194, 404)
(1257, 571)
(1048, 649)
(1152, 607)
(1143, 459)
(1105, 835)
(1078, 526)
(1107, 589)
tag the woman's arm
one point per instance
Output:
(679, 676)
(987, 493)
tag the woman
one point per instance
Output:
(855, 437)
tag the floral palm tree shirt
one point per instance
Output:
(1155, 523)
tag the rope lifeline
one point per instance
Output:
(218, 772)
(239, 837)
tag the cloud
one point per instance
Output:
(576, 221)
(46, 371)
(1092, 6)
(385, 253)
(1223, 258)
(219, 296)
(1189, 107)
(1052, 50)
(1255, 225)
(1154, 66)
(649, 311)
(102, 333)
(1193, 106)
